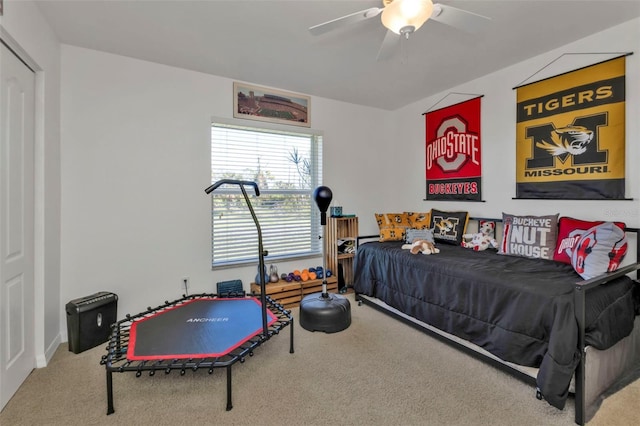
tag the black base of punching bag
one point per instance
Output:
(325, 312)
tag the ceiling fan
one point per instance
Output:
(404, 17)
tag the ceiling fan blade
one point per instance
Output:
(458, 18)
(389, 46)
(352, 18)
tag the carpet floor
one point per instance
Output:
(379, 371)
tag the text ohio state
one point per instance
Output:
(451, 144)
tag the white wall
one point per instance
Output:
(136, 161)
(498, 134)
(26, 31)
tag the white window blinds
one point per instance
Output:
(287, 168)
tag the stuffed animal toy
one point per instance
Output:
(421, 246)
(483, 239)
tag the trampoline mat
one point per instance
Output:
(202, 328)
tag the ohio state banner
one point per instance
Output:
(570, 135)
(453, 161)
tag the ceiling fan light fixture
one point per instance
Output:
(407, 31)
(406, 13)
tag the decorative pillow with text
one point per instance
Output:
(598, 250)
(569, 231)
(448, 227)
(529, 236)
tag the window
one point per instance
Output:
(287, 167)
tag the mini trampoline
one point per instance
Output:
(198, 331)
(205, 331)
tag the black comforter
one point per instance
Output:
(521, 310)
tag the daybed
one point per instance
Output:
(536, 318)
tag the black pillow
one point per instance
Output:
(448, 227)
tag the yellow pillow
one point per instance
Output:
(393, 226)
(392, 234)
(419, 220)
(392, 219)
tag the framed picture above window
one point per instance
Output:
(275, 106)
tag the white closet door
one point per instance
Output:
(17, 335)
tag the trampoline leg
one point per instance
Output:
(110, 409)
(229, 405)
(291, 343)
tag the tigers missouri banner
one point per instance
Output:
(570, 135)
(453, 160)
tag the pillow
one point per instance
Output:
(529, 236)
(392, 234)
(413, 234)
(392, 219)
(448, 227)
(598, 250)
(419, 220)
(569, 231)
(392, 226)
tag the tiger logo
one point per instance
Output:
(567, 140)
(444, 226)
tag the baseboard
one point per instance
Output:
(42, 360)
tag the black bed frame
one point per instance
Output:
(115, 361)
(581, 288)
